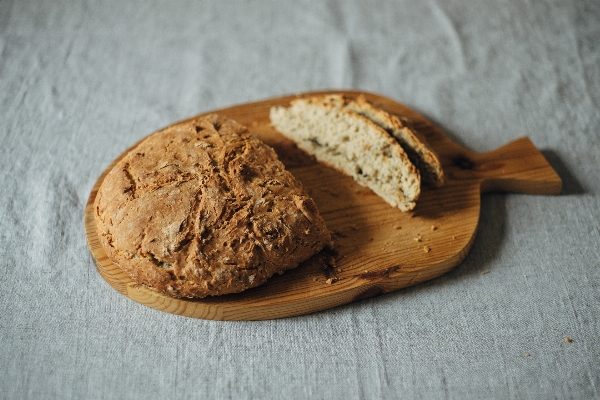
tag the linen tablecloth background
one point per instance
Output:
(80, 81)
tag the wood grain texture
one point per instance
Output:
(380, 249)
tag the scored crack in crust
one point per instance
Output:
(203, 208)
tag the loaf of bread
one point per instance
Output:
(203, 208)
(415, 147)
(353, 144)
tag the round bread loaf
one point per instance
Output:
(203, 208)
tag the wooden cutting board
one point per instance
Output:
(379, 248)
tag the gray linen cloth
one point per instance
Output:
(80, 81)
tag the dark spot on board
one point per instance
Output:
(376, 275)
(370, 292)
(463, 162)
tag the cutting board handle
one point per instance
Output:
(517, 167)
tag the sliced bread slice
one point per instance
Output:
(426, 161)
(352, 144)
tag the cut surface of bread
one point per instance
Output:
(415, 147)
(203, 208)
(352, 144)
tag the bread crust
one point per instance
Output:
(203, 208)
